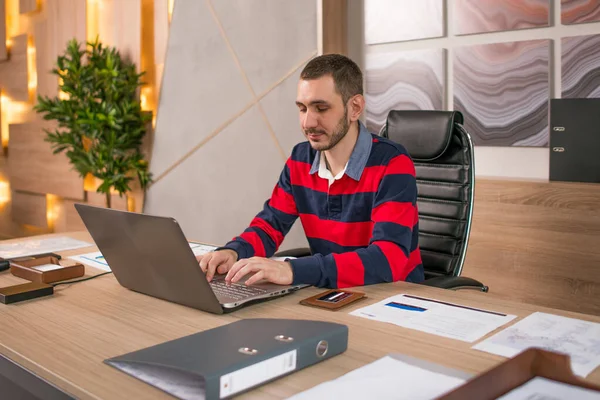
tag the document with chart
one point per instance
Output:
(437, 317)
(577, 338)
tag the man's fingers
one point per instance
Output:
(223, 268)
(235, 268)
(250, 267)
(255, 278)
(204, 261)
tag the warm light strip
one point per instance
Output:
(92, 16)
(52, 210)
(148, 95)
(11, 112)
(4, 193)
(170, 6)
(31, 68)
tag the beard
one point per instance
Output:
(340, 130)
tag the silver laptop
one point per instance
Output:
(150, 255)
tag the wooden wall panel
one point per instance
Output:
(27, 6)
(68, 219)
(13, 74)
(120, 26)
(3, 53)
(29, 209)
(537, 242)
(33, 168)
(335, 26)
(65, 20)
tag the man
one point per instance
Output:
(354, 192)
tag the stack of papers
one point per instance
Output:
(436, 317)
(390, 377)
(579, 339)
(40, 246)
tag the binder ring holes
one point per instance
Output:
(322, 348)
(248, 351)
(283, 338)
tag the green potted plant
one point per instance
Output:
(100, 121)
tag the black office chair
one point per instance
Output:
(442, 151)
(443, 155)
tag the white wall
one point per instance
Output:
(506, 162)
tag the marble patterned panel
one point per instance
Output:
(477, 16)
(407, 80)
(503, 90)
(399, 20)
(579, 11)
(580, 67)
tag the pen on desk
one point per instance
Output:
(454, 305)
(336, 296)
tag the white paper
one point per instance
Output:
(436, 317)
(95, 259)
(200, 249)
(38, 246)
(47, 267)
(545, 389)
(579, 339)
(386, 378)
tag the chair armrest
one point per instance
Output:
(298, 252)
(456, 282)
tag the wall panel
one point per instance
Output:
(33, 168)
(29, 209)
(27, 6)
(13, 74)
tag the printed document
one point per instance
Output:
(386, 378)
(39, 246)
(95, 259)
(579, 339)
(437, 317)
(545, 389)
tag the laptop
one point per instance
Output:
(150, 255)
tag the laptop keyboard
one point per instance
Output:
(235, 291)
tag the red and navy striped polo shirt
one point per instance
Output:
(363, 229)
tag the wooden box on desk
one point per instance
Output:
(515, 372)
(30, 269)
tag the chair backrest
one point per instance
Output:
(442, 152)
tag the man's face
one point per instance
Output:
(323, 115)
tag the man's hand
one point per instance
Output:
(279, 272)
(217, 261)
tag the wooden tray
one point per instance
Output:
(46, 269)
(515, 372)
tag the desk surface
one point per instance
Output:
(65, 338)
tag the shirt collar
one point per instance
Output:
(358, 158)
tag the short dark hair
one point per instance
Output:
(347, 76)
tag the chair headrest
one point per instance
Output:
(425, 134)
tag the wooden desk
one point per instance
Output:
(65, 338)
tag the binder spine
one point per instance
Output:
(289, 359)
